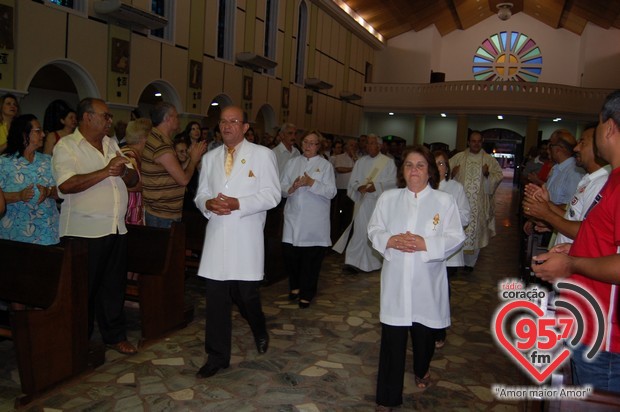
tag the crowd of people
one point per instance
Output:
(84, 176)
(577, 208)
(415, 215)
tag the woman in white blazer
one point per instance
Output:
(309, 183)
(415, 229)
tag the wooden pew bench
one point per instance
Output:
(51, 336)
(158, 256)
(195, 225)
(598, 401)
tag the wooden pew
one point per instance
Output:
(51, 341)
(158, 255)
(195, 224)
(597, 401)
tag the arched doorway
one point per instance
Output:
(507, 147)
(215, 107)
(59, 79)
(266, 121)
(156, 92)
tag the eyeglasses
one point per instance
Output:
(310, 143)
(233, 122)
(106, 115)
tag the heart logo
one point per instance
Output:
(539, 374)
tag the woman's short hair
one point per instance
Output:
(316, 133)
(446, 158)
(137, 129)
(19, 135)
(433, 172)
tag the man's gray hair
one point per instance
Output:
(159, 112)
(286, 126)
(379, 140)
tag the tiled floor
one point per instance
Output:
(320, 359)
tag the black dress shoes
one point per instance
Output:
(262, 344)
(208, 370)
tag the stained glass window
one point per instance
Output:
(508, 56)
(64, 3)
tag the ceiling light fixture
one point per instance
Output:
(391, 113)
(504, 10)
(500, 117)
(359, 20)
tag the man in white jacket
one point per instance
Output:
(238, 184)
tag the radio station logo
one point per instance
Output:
(539, 342)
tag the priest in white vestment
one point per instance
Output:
(371, 176)
(480, 175)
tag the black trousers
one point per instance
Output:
(392, 357)
(303, 265)
(107, 280)
(221, 294)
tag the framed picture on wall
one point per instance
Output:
(247, 88)
(285, 97)
(309, 104)
(120, 56)
(195, 74)
(6, 27)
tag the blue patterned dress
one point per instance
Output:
(28, 221)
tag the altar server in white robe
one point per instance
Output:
(372, 175)
(309, 183)
(415, 229)
(453, 187)
(238, 184)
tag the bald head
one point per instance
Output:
(561, 145)
(232, 125)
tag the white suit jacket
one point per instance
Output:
(234, 244)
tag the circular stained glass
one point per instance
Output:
(508, 56)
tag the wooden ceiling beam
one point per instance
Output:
(603, 13)
(394, 17)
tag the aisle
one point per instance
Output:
(322, 358)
